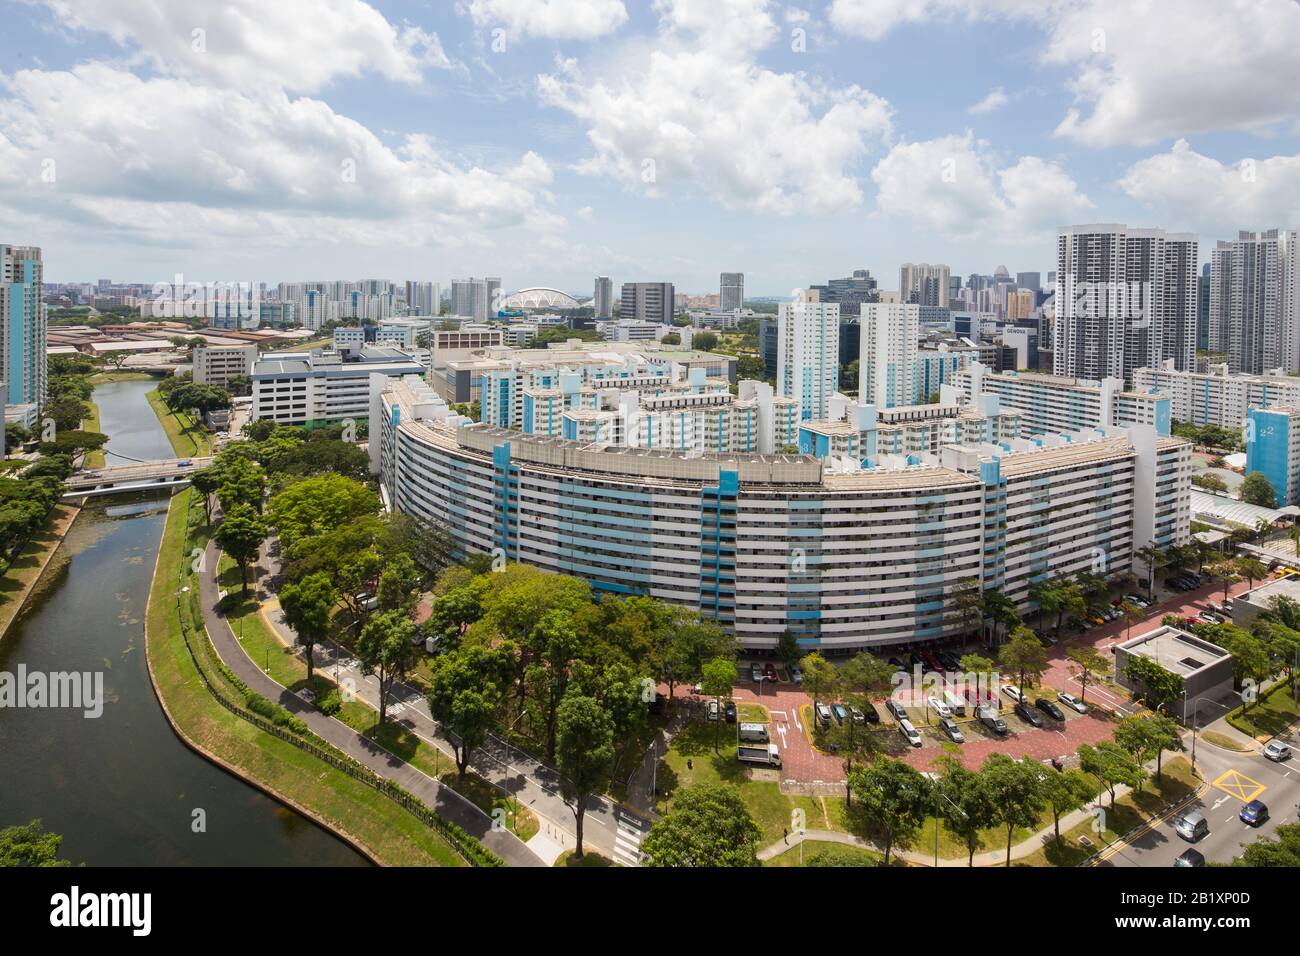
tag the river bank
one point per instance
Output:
(20, 579)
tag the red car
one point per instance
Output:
(769, 671)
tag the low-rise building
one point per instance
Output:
(218, 364)
(320, 386)
(1206, 669)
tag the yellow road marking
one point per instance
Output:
(1237, 784)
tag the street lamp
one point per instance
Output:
(1196, 709)
(939, 796)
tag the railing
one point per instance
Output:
(465, 845)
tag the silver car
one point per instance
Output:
(1277, 751)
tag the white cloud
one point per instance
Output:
(696, 113)
(1143, 71)
(995, 100)
(146, 158)
(300, 45)
(951, 186)
(1191, 191)
(552, 19)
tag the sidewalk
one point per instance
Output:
(443, 800)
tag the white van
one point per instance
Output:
(955, 703)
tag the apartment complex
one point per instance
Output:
(1217, 396)
(924, 283)
(887, 362)
(1254, 290)
(765, 543)
(22, 325)
(320, 386)
(1125, 299)
(808, 355)
(1273, 448)
(218, 364)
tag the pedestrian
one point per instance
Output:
(785, 836)
(689, 765)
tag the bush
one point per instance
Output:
(330, 704)
(275, 713)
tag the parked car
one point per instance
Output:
(1047, 638)
(939, 707)
(769, 671)
(896, 662)
(729, 711)
(910, 733)
(1134, 599)
(823, 715)
(873, 715)
(756, 672)
(857, 716)
(1190, 857)
(952, 731)
(949, 660)
(1255, 813)
(1014, 692)
(1209, 617)
(1069, 700)
(839, 713)
(1049, 707)
(896, 710)
(1027, 713)
(711, 711)
(1277, 751)
(796, 674)
(990, 719)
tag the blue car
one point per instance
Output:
(1254, 813)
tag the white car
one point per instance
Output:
(796, 674)
(712, 711)
(1012, 691)
(939, 707)
(910, 733)
(1069, 700)
(1277, 751)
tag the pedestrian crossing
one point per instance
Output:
(627, 840)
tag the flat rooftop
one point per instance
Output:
(1176, 651)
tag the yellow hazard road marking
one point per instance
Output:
(1237, 784)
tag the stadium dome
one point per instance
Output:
(539, 299)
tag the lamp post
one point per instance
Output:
(939, 796)
(1196, 709)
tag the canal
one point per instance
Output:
(122, 788)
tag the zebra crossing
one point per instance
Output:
(627, 840)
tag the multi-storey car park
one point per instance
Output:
(844, 556)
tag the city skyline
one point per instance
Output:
(586, 136)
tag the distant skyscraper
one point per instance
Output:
(22, 325)
(808, 355)
(1020, 304)
(887, 365)
(423, 298)
(1029, 280)
(469, 297)
(647, 302)
(1253, 301)
(731, 291)
(1203, 328)
(924, 283)
(1125, 299)
(603, 299)
(848, 293)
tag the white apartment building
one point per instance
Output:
(218, 364)
(924, 283)
(1055, 403)
(808, 355)
(306, 388)
(1254, 292)
(1125, 299)
(1216, 396)
(889, 344)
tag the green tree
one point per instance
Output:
(965, 805)
(1001, 610)
(1024, 655)
(584, 752)
(240, 481)
(704, 341)
(1252, 569)
(30, 845)
(318, 504)
(820, 678)
(1089, 667)
(1153, 558)
(466, 688)
(893, 800)
(718, 680)
(1065, 792)
(968, 606)
(399, 584)
(386, 648)
(1016, 790)
(308, 606)
(1258, 490)
(707, 825)
(787, 648)
(206, 483)
(1268, 852)
(240, 535)
(1112, 765)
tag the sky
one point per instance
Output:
(550, 141)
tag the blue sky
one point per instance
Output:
(548, 141)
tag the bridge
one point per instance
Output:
(138, 476)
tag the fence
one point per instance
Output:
(469, 848)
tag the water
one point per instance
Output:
(122, 788)
(126, 417)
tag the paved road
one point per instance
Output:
(607, 828)
(1233, 778)
(446, 802)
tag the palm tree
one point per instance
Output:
(1152, 557)
(1252, 569)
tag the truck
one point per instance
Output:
(754, 733)
(769, 756)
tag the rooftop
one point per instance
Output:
(1176, 651)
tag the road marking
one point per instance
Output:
(1220, 802)
(627, 841)
(1237, 784)
(780, 729)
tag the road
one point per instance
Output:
(1234, 778)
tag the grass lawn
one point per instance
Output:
(1130, 810)
(21, 575)
(519, 819)
(589, 858)
(1270, 716)
(96, 458)
(390, 834)
(820, 853)
(750, 713)
(186, 437)
(1223, 741)
(101, 378)
(770, 807)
